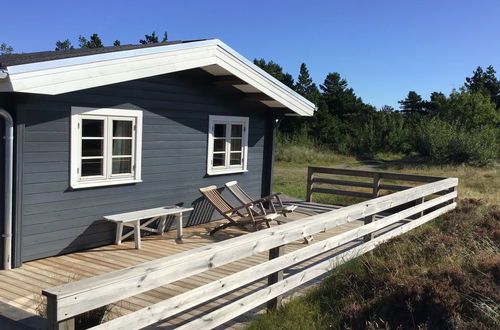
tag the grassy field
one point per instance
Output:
(443, 275)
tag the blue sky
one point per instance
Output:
(383, 48)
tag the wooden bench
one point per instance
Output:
(133, 220)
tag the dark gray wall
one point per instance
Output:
(56, 219)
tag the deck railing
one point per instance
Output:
(67, 301)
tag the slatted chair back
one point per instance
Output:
(239, 193)
(214, 197)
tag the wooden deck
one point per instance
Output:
(22, 287)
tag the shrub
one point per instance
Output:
(442, 142)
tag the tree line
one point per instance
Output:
(462, 127)
(93, 41)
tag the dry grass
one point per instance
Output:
(445, 275)
(290, 173)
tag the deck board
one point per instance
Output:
(22, 287)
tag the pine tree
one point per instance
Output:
(94, 42)
(117, 43)
(304, 81)
(485, 82)
(63, 45)
(6, 49)
(149, 39)
(276, 71)
(412, 104)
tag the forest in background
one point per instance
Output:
(462, 127)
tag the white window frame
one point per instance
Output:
(227, 169)
(107, 114)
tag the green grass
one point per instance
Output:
(443, 275)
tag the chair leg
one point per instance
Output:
(223, 226)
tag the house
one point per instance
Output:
(116, 129)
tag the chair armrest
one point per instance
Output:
(255, 202)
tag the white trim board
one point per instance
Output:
(76, 73)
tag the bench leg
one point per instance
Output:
(119, 233)
(178, 218)
(161, 225)
(137, 234)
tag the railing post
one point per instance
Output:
(310, 173)
(52, 323)
(455, 188)
(275, 277)
(375, 193)
(419, 201)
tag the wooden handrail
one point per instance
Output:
(69, 300)
(375, 185)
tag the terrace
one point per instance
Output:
(217, 281)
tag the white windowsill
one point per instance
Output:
(90, 184)
(229, 171)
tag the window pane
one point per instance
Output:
(122, 165)
(219, 144)
(92, 127)
(235, 158)
(235, 144)
(219, 159)
(236, 130)
(122, 147)
(122, 128)
(220, 130)
(91, 167)
(91, 148)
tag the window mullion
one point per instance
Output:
(108, 142)
(228, 144)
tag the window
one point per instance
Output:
(227, 145)
(105, 147)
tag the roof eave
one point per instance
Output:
(76, 73)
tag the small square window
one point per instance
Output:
(227, 145)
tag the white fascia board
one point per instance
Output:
(72, 74)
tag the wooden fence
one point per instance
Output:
(67, 301)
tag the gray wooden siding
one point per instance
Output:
(56, 219)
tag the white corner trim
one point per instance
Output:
(72, 74)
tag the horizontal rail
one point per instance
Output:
(341, 192)
(371, 174)
(88, 294)
(393, 187)
(343, 182)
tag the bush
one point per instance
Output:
(444, 143)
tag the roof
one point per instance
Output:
(25, 58)
(57, 72)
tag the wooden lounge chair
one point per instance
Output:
(258, 205)
(259, 208)
(235, 215)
